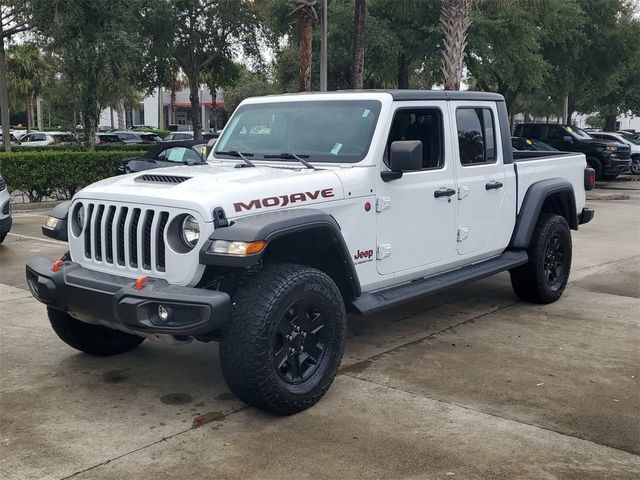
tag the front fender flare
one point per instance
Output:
(274, 225)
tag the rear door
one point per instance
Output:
(486, 190)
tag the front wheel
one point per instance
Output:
(544, 277)
(635, 166)
(91, 339)
(282, 345)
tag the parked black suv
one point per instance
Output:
(609, 159)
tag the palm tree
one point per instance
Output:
(304, 12)
(28, 72)
(455, 19)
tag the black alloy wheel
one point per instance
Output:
(301, 341)
(554, 264)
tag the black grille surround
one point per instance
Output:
(171, 179)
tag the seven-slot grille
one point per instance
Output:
(131, 237)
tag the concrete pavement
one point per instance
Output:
(470, 383)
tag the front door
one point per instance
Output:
(417, 213)
(485, 219)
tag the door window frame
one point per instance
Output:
(387, 145)
(495, 139)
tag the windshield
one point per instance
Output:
(322, 131)
(629, 138)
(579, 133)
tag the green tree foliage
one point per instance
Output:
(28, 72)
(198, 34)
(98, 44)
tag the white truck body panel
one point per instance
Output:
(413, 234)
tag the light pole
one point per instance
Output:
(323, 48)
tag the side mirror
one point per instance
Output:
(56, 225)
(404, 156)
(568, 139)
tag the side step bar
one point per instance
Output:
(368, 303)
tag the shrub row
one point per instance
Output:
(59, 174)
(82, 147)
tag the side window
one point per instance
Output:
(424, 124)
(555, 133)
(179, 155)
(476, 136)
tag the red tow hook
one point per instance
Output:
(140, 282)
(57, 265)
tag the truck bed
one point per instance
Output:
(532, 167)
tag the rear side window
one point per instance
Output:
(476, 136)
(424, 125)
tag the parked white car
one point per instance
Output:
(40, 139)
(5, 210)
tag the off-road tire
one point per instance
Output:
(91, 339)
(249, 338)
(597, 167)
(2, 237)
(529, 281)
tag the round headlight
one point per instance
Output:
(78, 219)
(190, 231)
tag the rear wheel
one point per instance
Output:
(282, 346)
(544, 277)
(91, 339)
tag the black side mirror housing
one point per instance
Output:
(404, 156)
(568, 138)
(56, 225)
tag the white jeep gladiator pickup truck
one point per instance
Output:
(311, 205)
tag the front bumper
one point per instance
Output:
(5, 225)
(617, 166)
(586, 215)
(114, 300)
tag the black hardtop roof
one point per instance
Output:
(418, 95)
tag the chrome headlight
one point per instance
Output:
(190, 231)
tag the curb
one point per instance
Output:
(608, 196)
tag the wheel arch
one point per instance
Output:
(553, 195)
(304, 236)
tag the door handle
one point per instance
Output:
(492, 185)
(444, 192)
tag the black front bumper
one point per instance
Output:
(114, 300)
(5, 225)
(617, 166)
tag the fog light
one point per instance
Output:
(163, 313)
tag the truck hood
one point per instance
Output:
(240, 191)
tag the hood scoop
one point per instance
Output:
(171, 179)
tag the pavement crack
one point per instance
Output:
(495, 415)
(136, 450)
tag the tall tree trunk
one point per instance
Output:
(403, 71)
(214, 108)
(357, 64)
(195, 104)
(306, 37)
(455, 18)
(29, 113)
(4, 100)
(172, 106)
(122, 123)
(610, 123)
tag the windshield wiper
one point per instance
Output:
(293, 156)
(235, 153)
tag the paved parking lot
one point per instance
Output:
(469, 384)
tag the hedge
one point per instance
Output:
(82, 147)
(58, 174)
